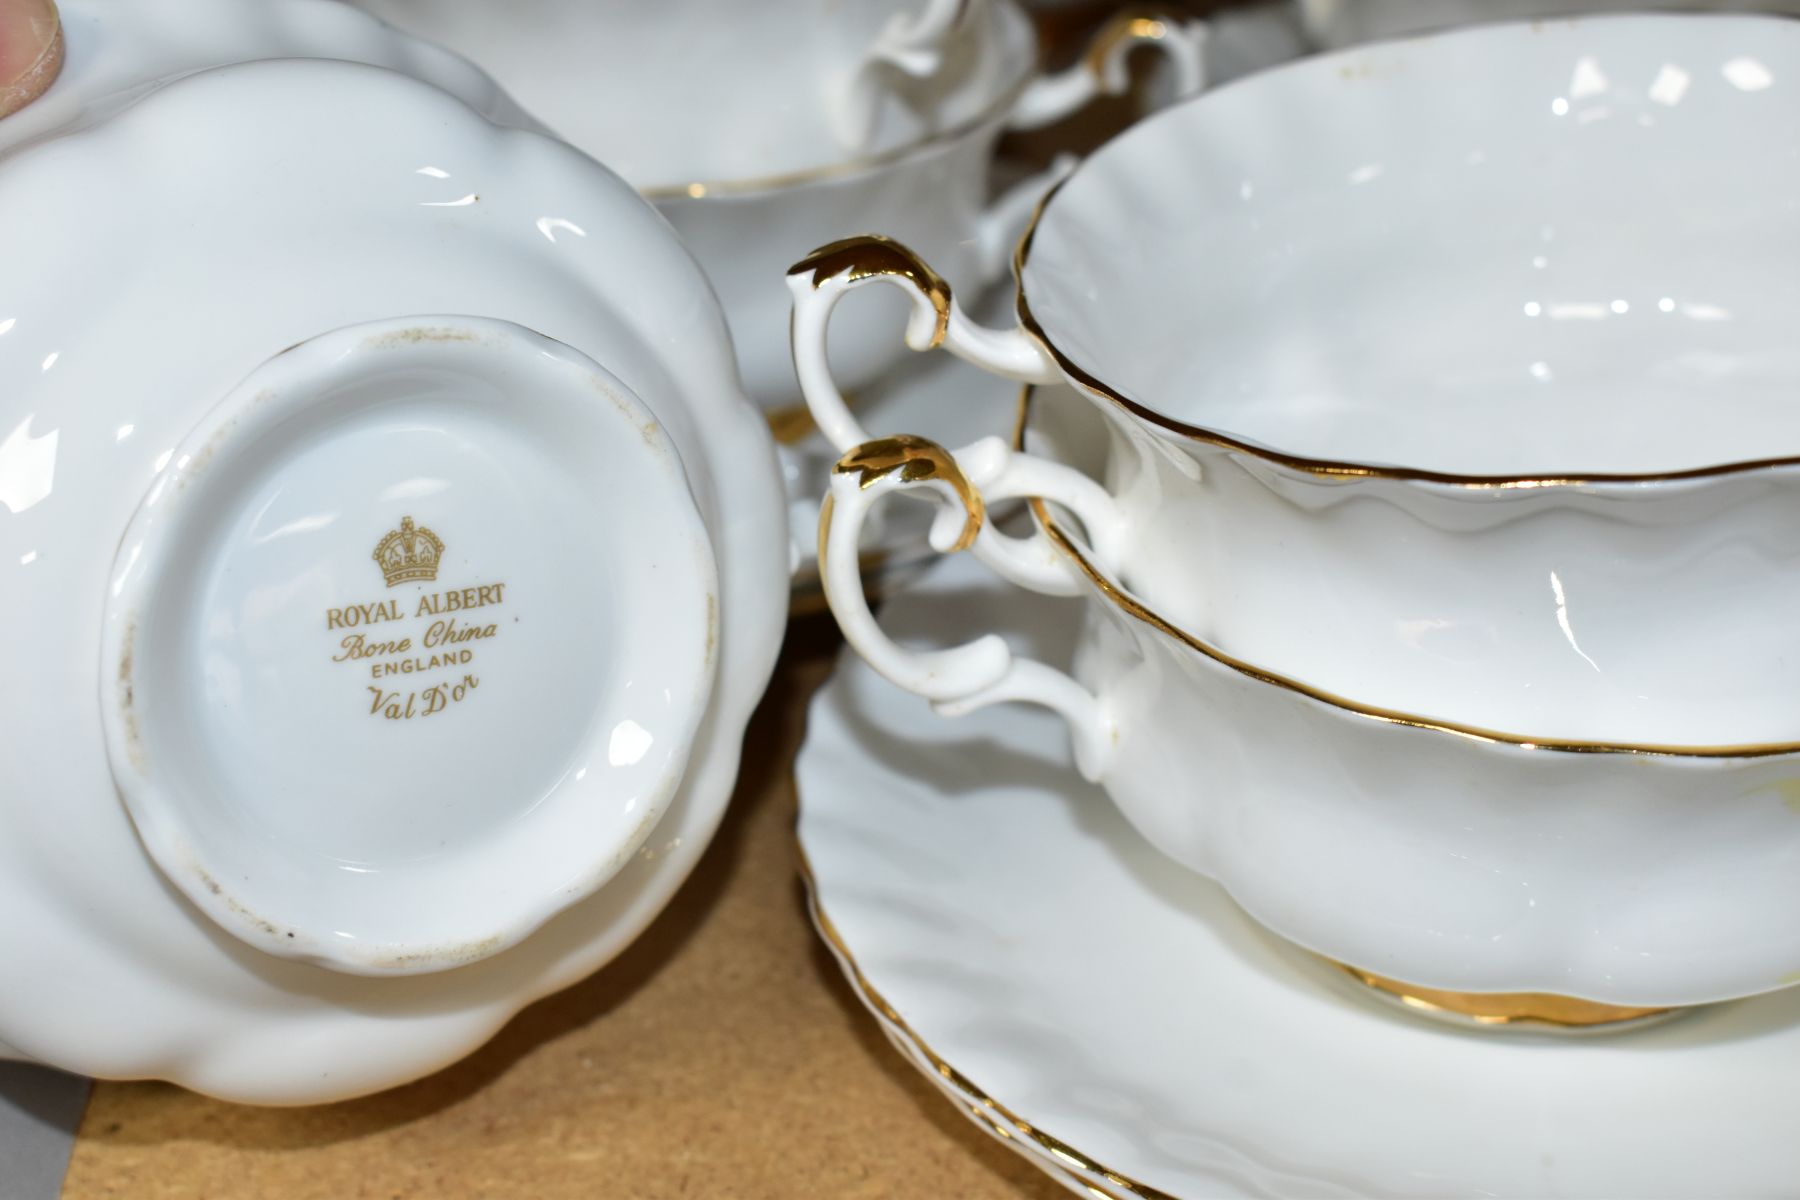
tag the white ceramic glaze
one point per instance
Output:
(730, 138)
(1398, 388)
(155, 261)
(922, 63)
(1334, 24)
(1115, 1018)
(1443, 855)
(718, 89)
(353, 741)
(1491, 243)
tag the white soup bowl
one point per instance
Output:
(1441, 406)
(1453, 373)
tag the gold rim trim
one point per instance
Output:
(1503, 1008)
(1008, 1125)
(1005, 1123)
(918, 461)
(1138, 610)
(871, 256)
(996, 110)
(1325, 467)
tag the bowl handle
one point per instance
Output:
(1051, 98)
(984, 671)
(1102, 70)
(818, 281)
(914, 44)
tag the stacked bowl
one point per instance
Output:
(759, 131)
(1418, 424)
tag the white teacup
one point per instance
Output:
(1380, 332)
(720, 113)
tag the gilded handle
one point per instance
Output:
(978, 673)
(1102, 70)
(823, 278)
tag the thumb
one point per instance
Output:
(31, 51)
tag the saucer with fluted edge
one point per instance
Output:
(1113, 1017)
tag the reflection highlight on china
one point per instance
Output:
(366, 397)
(1519, 621)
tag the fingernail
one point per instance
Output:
(31, 51)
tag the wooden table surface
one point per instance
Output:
(722, 1055)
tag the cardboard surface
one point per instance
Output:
(721, 1056)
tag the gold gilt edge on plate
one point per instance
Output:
(1056, 1157)
(1004, 1123)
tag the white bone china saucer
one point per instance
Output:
(1114, 1018)
(265, 181)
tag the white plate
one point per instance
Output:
(1112, 1016)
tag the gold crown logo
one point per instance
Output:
(408, 553)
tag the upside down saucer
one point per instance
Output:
(251, 214)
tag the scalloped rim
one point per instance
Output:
(1337, 468)
(358, 1042)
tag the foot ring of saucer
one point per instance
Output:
(406, 645)
(1516, 1012)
